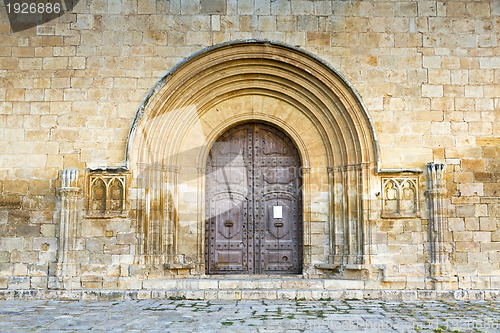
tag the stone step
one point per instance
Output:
(254, 294)
(253, 283)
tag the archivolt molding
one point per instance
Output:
(253, 67)
(189, 94)
(219, 130)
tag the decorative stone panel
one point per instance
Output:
(106, 195)
(400, 197)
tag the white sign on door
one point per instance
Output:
(278, 212)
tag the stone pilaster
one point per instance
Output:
(439, 267)
(70, 200)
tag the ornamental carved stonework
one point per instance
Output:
(400, 197)
(106, 195)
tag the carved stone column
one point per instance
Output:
(70, 195)
(306, 188)
(156, 210)
(439, 267)
(200, 260)
(347, 221)
(348, 237)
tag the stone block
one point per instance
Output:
(187, 284)
(113, 271)
(212, 6)
(91, 282)
(229, 284)
(318, 38)
(7, 294)
(194, 294)
(109, 282)
(229, 295)
(472, 223)
(146, 7)
(158, 294)
(20, 269)
(71, 295)
(131, 294)
(343, 284)
(251, 294)
(48, 294)
(48, 230)
(493, 247)
(45, 244)
(426, 295)
(16, 186)
(54, 283)
(210, 294)
(456, 224)
(477, 10)
(432, 62)
(482, 236)
(461, 236)
(38, 269)
(354, 294)
(90, 295)
(19, 282)
(25, 294)
(493, 295)
(198, 38)
(286, 294)
(143, 294)
(479, 282)
(8, 63)
(208, 284)
(429, 90)
(9, 244)
(467, 246)
(129, 283)
(159, 284)
(117, 249)
(38, 282)
(4, 282)
(108, 295)
(487, 224)
(296, 284)
(126, 238)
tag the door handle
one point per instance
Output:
(278, 224)
(228, 223)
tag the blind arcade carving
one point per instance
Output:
(106, 195)
(400, 197)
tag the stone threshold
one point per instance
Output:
(253, 294)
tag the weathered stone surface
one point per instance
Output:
(19, 282)
(426, 72)
(343, 284)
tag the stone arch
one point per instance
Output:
(246, 81)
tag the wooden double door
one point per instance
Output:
(253, 203)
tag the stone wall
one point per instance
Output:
(428, 72)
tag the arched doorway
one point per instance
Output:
(253, 203)
(253, 81)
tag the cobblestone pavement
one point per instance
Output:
(248, 316)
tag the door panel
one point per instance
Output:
(254, 211)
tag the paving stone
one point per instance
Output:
(248, 316)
